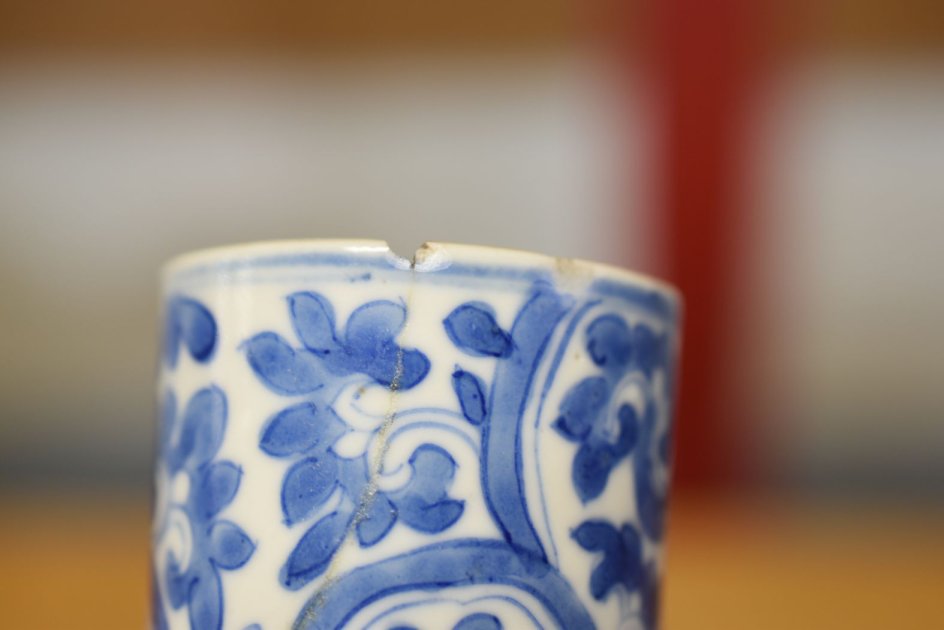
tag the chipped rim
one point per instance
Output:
(430, 257)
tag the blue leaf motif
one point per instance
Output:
(206, 601)
(281, 368)
(217, 487)
(591, 470)
(628, 430)
(189, 322)
(472, 327)
(582, 407)
(470, 391)
(622, 556)
(308, 484)
(651, 351)
(203, 426)
(479, 621)
(587, 419)
(423, 504)
(393, 364)
(380, 517)
(374, 325)
(301, 428)
(229, 546)
(414, 366)
(609, 342)
(313, 319)
(314, 551)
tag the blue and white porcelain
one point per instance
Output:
(474, 439)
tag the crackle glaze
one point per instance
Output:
(473, 440)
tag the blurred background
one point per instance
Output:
(781, 162)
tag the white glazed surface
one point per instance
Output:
(246, 291)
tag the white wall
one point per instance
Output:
(107, 169)
(848, 269)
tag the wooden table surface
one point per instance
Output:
(730, 566)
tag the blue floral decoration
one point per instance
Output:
(604, 440)
(367, 347)
(217, 544)
(305, 432)
(621, 566)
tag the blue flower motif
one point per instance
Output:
(422, 504)
(367, 347)
(217, 544)
(306, 432)
(622, 565)
(606, 436)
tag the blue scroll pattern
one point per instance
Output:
(335, 496)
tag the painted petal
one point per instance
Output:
(206, 601)
(313, 318)
(630, 557)
(281, 368)
(229, 546)
(604, 577)
(414, 368)
(307, 485)
(314, 551)
(188, 321)
(433, 470)
(472, 328)
(217, 487)
(602, 536)
(628, 430)
(479, 621)
(391, 364)
(423, 504)
(609, 342)
(300, 428)
(378, 520)
(591, 471)
(203, 426)
(596, 535)
(582, 407)
(374, 325)
(650, 348)
(469, 390)
(430, 517)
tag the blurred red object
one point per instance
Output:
(702, 62)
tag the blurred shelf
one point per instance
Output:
(731, 566)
